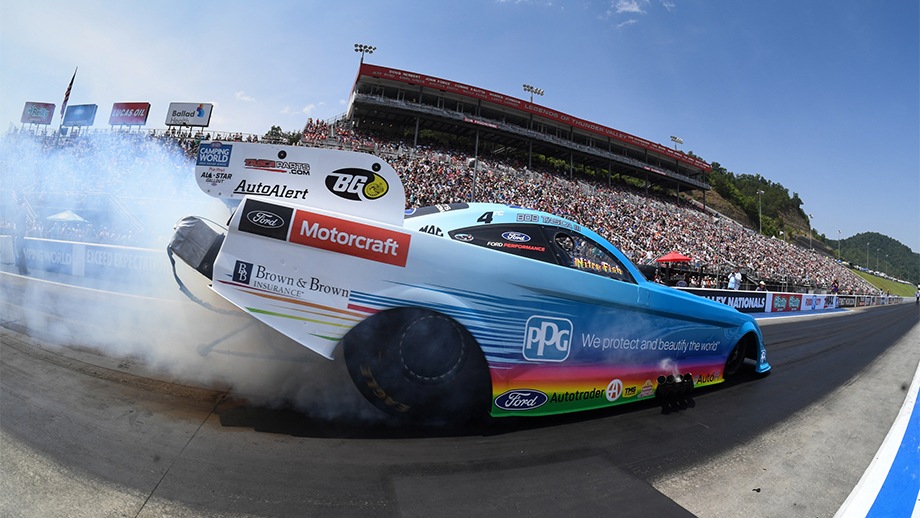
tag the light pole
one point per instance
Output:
(533, 90)
(810, 216)
(867, 256)
(838, 245)
(760, 209)
(364, 49)
(676, 141)
(876, 258)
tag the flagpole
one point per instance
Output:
(67, 98)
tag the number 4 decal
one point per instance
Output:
(485, 218)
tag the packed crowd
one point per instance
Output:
(644, 226)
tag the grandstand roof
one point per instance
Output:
(388, 96)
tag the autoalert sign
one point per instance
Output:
(350, 238)
(129, 114)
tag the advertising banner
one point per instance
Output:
(37, 113)
(359, 184)
(80, 115)
(189, 114)
(129, 114)
(784, 302)
(743, 301)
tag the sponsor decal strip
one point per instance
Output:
(295, 317)
(269, 295)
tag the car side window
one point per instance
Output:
(522, 240)
(577, 251)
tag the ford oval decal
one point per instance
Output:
(264, 219)
(521, 399)
(517, 237)
(466, 238)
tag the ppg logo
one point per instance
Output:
(242, 272)
(547, 339)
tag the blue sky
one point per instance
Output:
(822, 96)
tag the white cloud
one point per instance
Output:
(627, 23)
(629, 6)
(308, 109)
(241, 96)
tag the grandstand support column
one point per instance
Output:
(475, 168)
(415, 138)
(571, 164)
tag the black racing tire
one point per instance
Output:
(736, 358)
(418, 364)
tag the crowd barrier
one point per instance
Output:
(122, 264)
(779, 302)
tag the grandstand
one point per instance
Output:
(491, 148)
(396, 102)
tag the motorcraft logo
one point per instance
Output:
(214, 154)
(547, 339)
(521, 399)
(265, 219)
(357, 184)
(350, 238)
(277, 166)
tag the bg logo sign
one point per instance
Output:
(357, 184)
(547, 339)
(242, 272)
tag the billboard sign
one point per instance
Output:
(37, 113)
(189, 114)
(129, 114)
(80, 115)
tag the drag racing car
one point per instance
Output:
(449, 310)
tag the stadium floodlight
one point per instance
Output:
(362, 48)
(760, 208)
(533, 90)
(676, 141)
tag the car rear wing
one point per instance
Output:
(347, 182)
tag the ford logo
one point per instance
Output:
(264, 219)
(466, 238)
(521, 399)
(517, 237)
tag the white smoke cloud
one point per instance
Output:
(147, 323)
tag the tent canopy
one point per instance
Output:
(66, 216)
(673, 257)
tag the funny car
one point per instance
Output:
(452, 309)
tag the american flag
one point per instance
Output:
(67, 93)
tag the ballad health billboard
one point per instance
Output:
(189, 114)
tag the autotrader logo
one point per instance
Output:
(547, 339)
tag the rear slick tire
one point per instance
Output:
(418, 364)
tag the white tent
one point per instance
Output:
(66, 216)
